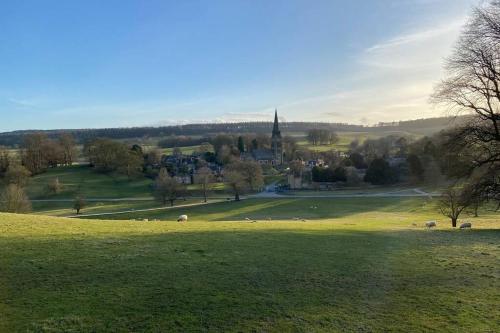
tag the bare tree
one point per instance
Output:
(205, 178)
(53, 153)
(472, 85)
(130, 163)
(453, 202)
(252, 173)
(166, 188)
(67, 143)
(32, 152)
(79, 204)
(17, 174)
(297, 168)
(4, 161)
(290, 147)
(236, 182)
(14, 200)
(153, 157)
(54, 186)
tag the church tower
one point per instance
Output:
(276, 141)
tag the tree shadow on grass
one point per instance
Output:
(285, 209)
(244, 280)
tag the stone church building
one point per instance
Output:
(274, 155)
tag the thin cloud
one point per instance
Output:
(418, 36)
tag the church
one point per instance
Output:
(274, 155)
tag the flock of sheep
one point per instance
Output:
(428, 224)
(432, 224)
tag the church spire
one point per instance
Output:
(277, 145)
(276, 129)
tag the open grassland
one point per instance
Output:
(408, 210)
(82, 180)
(357, 269)
(345, 138)
(65, 208)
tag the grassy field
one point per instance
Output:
(82, 180)
(410, 210)
(65, 208)
(345, 138)
(349, 270)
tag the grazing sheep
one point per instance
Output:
(466, 225)
(296, 218)
(145, 220)
(182, 218)
(247, 218)
(430, 224)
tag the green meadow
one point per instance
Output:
(345, 138)
(82, 180)
(348, 265)
(400, 209)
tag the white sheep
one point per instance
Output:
(466, 225)
(430, 224)
(182, 218)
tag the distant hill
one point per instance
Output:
(419, 126)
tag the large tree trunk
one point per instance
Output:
(454, 222)
(236, 196)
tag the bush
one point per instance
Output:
(17, 174)
(14, 200)
(54, 187)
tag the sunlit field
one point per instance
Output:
(342, 267)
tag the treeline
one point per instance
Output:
(82, 135)
(37, 154)
(441, 122)
(384, 161)
(106, 155)
(322, 137)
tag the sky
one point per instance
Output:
(94, 64)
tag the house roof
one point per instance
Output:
(263, 154)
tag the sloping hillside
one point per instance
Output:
(352, 273)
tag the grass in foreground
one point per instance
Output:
(363, 272)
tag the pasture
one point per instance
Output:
(365, 209)
(82, 180)
(351, 266)
(345, 138)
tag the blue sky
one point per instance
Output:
(74, 64)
